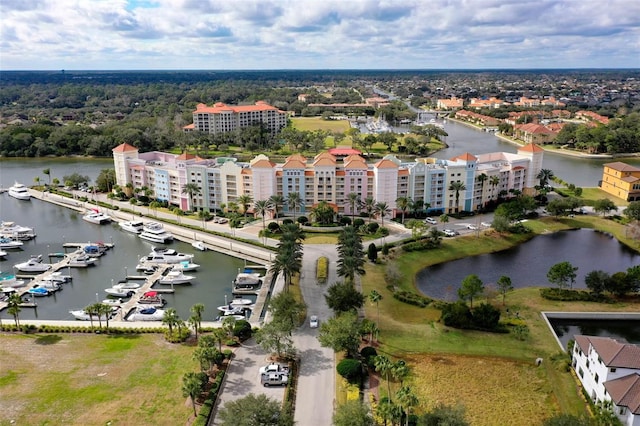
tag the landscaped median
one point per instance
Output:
(493, 375)
(322, 270)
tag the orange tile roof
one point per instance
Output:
(294, 163)
(324, 161)
(263, 163)
(622, 167)
(465, 157)
(531, 147)
(385, 164)
(220, 107)
(186, 156)
(124, 147)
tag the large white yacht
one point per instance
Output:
(167, 255)
(155, 232)
(134, 226)
(19, 191)
(34, 264)
(16, 232)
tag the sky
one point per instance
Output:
(318, 34)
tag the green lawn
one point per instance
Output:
(317, 123)
(410, 331)
(86, 379)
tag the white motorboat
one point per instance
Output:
(34, 264)
(199, 245)
(8, 243)
(133, 226)
(232, 310)
(38, 291)
(83, 316)
(19, 191)
(57, 277)
(127, 285)
(96, 217)
(234, 316)
(3, 254)
(120, 292)
(241, 302)
(81, 261)
(248, 278)
(167, 255)
(49, 285)
(146, 314)
(95, 250)
(155, 232)
(16, 232)
(8, 280)
(188, 266)
(176, 276)
(112, 302)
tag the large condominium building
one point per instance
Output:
(326, 178)
(621, 180)
(221, 118)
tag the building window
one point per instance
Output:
(622, 410)
(612, 370)
(581, 373)
(597, 378)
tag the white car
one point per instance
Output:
(486, 224)
(431, 221)
(472, 227)
(449, 232)
(313, 321)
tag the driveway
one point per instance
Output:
(243, 377)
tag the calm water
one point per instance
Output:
(565, 329)
(55, 225)
(528, 263)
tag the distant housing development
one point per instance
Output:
(621, 180)
(331, 179)
(610, 371)
(221, 118)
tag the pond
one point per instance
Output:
(566, 328)
(527, 264)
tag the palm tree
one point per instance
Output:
(407, 399)
(544, 175)
(494, 181)
(384, 366)
(403, 204)
(294, 201)
(191, 189)
(444, 218)
(196, 317)
(457, 186)
(14, 309)
(417, 206)
(48, 173)
(323, 213)
(245, 201)
(106, 310)
(382, 209)
(277, 201)
(482, 178)
(261, 207)
(192, 385)
(171, 319)
(354, 201)
(376, 297)
(369, 205)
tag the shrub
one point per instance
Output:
(228, 353)
(322, 269)
(368, 353)
(350, 368)
(303, 220)
(486, 316)
(411, 298)
(372, 227)
(273, 227)
(242, 329)
(569, 295)
(456, 315)
(287, 221)
(345, 220)
(357, 222)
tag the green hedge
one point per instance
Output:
(567, 295)
(411, 298)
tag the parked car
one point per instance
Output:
(313, 321)
(486, 224)
(274, 379)
(450, 232)
(472, 227)
(431, 221)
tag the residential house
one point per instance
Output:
(609, 370)
(621, 180)
(448, 104)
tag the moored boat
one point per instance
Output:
(126, 285)
(34, 264)
(8, 243)
(8, 280)
(81, 261)
(155, 232)
(82, 315)
(146, 314)
(238, 301)
(199, 245)
(167, 255)
(19, 191)
(38, 291)
(120, 292)
(248, 278)
(176, 276)
(16, 232)
(152, 298)
(97, 217)
(133, 226)
(3, 254)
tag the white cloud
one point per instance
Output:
(268, 34)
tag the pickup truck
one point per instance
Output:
(274, 368)
(274, 379)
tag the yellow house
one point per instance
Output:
(621, 180)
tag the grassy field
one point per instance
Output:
(317, 123)
(92, 380)
(470, 364)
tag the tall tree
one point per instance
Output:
(384, 366)
(192, 387)
(48, 173)
(170, 318)
(191, 189)
(352, 413)
(382, 209)
(351, 258)
(457, 186)
(341, 333)
(544, 176)
(245, 201)
(353, 199)
(403, 204)
(196, 317)
(343, 297)
(294, 202)
(562, 274)
(407, 399)
(369, 205)
(14, 309)
(277, 201)
(376, 297)
(255, 410)
(261, 207)
(482, 178)
(504, 286)
(472, 286)
(494, 181)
